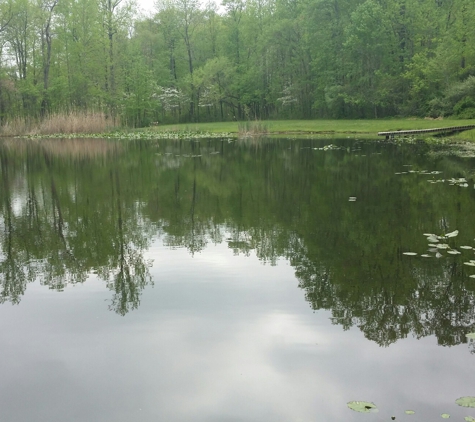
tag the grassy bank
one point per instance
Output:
(98, 125)
(324, 127)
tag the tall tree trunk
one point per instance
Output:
(46, 43)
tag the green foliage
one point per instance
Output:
(253, 60)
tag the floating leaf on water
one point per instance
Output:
(433, 238)
(433, 245)
(472, 264)
(466, 247)
(410, 253)
(470, 336)
(409, 412)
(452, 234)
(429, 234)
(352, 198)
(469, 419)
(426, 256)
(454, 252)
(445, 416)
(464, 185)
(432, 250)
(438, 255)
(362, 406)
(467, 401)
(472, 276)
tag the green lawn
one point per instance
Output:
(370, 127)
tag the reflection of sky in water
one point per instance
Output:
(218, 338)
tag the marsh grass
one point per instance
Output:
(16, 126)
(67, 123)
(75, 122)
(252, 128)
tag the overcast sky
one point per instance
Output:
(146, 5)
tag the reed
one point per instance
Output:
(16, 126)
(252, 128)
(74, 122)
(67, 123)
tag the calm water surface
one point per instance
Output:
(223, 281)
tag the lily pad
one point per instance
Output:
(412, 254)
(472, 337)
(472, 264)
(452, 234)
(410, 412)
(472, 276)
(433, 239)
(469, 419)
(352, 199)
(438, 255)
(445, 416)
(454, 252)
(466, 247)
(467, 401)
(426, 255)
(362, 406)
(443, 246)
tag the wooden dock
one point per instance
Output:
(452, 129)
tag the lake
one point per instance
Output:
(219, 280)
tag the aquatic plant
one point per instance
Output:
(467, 401)
(138, 135)
(362, 406)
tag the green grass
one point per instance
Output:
(367, 127)
(468, 135)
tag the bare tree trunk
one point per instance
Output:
(46, 43)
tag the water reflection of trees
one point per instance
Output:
(61, 222)
(67, 216)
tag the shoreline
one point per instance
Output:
(272, 128)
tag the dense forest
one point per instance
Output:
(248, 59)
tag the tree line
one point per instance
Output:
(248, 59)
